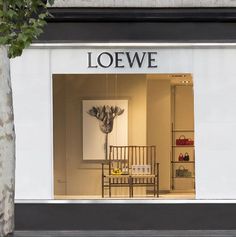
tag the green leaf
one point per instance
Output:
(42, 16)
(4, 40)
(51, 2)
(21, 21)
(11, 13)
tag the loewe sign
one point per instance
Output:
(122, 59)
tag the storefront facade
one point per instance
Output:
(164, 45)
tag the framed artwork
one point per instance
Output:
(105, 123)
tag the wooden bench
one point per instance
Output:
(131, 166)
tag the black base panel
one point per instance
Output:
(140, 25)
(101, 14)
(138, 32)
(127, 233)
(125, 216)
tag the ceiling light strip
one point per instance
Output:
(68, 45)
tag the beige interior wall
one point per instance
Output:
(59, 128)
(149, 122)
(159, 125)
(183, 118)
(133, 87)
(184, 114)
(84, 177)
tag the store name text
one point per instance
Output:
(122, 60)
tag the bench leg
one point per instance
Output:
(109, 188)
(154, 186)
(130, 187)
(132, 190)
(102, 187)
(157, 186)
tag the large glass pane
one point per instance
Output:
(143, 116)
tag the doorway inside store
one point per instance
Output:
(138, 120)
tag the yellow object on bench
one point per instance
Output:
(116, 171)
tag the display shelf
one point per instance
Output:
(186, 162)
(190, 177)
(183, 146)
(175, 164)
(183, 130)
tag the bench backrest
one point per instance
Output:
(132, 159)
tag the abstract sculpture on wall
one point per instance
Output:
(105, 123)
(106, 115)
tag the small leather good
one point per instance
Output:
(181, 140)
(181, 157)
(186, 157)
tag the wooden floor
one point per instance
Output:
(129, 233)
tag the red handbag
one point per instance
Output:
(181, 157)
(181, 140)
(189, 142)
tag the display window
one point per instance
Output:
(123, 136)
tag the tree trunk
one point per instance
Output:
(7, 147)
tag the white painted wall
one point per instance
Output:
(214, 76)
(215, 122)
(145, 3)
(32, 106)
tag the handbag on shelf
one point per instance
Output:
(183, 172)
(189, 142)
(186, 157)
(181, 157)
(181, 140)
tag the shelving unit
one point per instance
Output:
(176, 164)
(182, 119)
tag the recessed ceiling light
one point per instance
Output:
(185, 82)
(178, 75)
